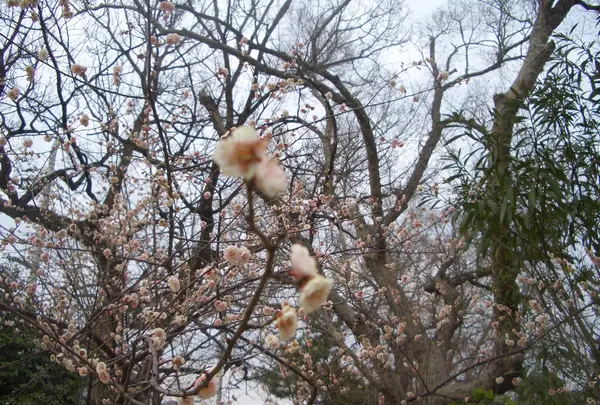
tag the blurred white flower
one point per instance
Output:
(315, 293)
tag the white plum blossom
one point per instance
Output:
(272, 342)
(270, 177)
(315, 293)
(159, 338)
(43, 54)
(303, 264)
(174, 283)
(84, 120)
(245, 255)
(239, 154)
(287, 322)
(232, 254)
(211, 389)
(186, 400)
(100, 367)
(243, 154)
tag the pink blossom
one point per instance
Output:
(104, 377)
(173, 39)
(315, 293)
(78, 70)
(220, 306)
(14, 93)
(166, 6)
(245, 255)
(397, 144)
(303, 264)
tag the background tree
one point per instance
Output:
(550, 206)
(27, 375)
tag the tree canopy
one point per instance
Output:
(323, 201)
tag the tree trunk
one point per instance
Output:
(504, 245)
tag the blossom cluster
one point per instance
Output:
(313, 294)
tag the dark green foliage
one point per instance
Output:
(551, 195)
(535, 389)
(550, 201)
(486, 397)
(542, 388)
(27, 376)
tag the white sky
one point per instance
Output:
(422, 8)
